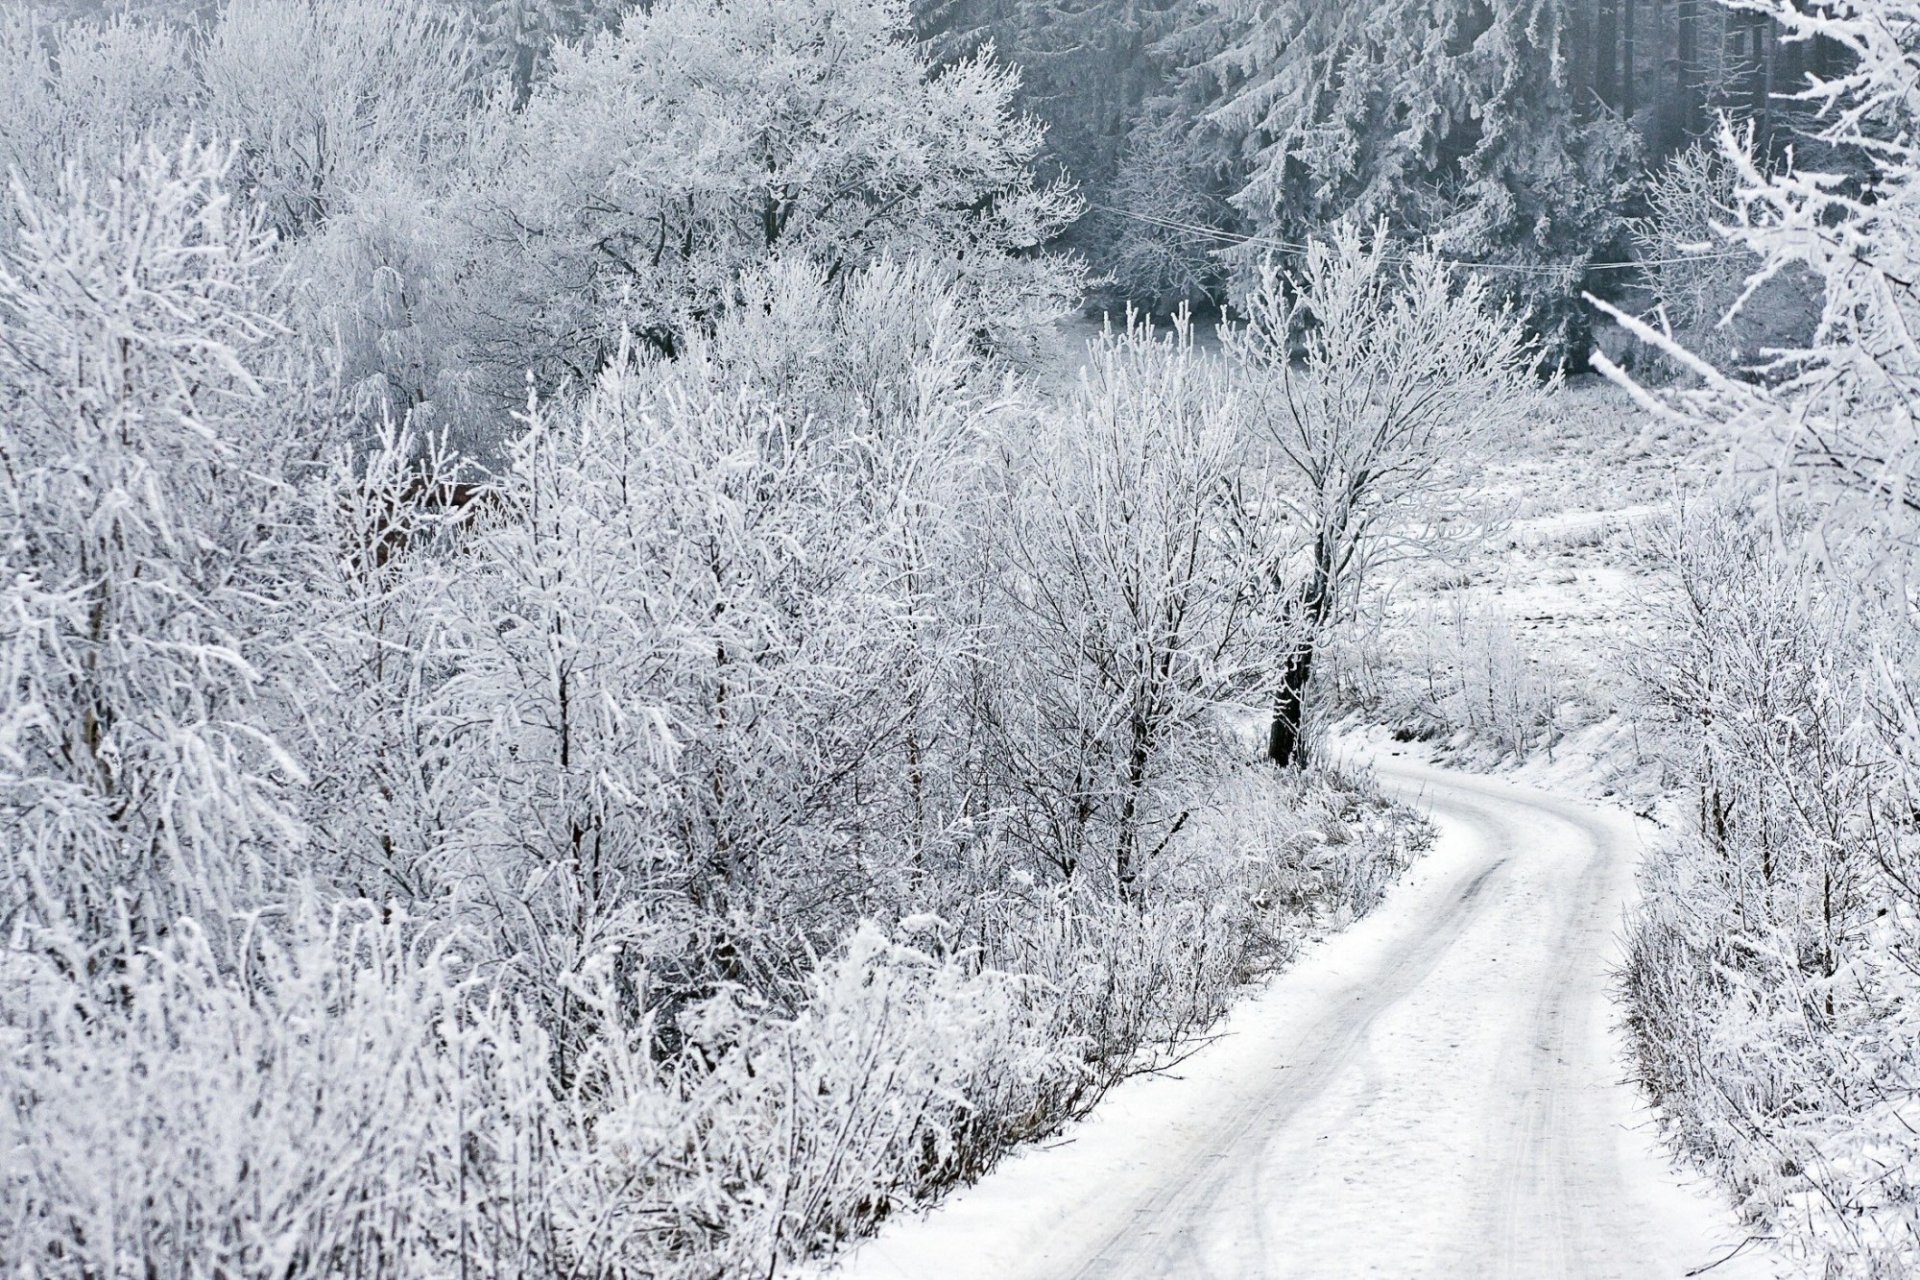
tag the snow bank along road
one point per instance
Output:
(1435, 1092)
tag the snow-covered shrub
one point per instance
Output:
(1501, 694)
(881, 363)
(27, 109)
(148, 530)
(1769, 977)
(772, 1137)
(1128, 564)
(871, 350)
(347, 1093)
(370, 723)
(1457, 669)
(1265, 862)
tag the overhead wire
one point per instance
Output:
(1293, 247)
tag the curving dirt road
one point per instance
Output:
(1435, 1092)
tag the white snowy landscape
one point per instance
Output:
(959, 639)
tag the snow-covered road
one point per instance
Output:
(1435, 1092)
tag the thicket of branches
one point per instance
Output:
(1528, 133)
(1775, 964)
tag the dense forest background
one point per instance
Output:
(1512, 131)
(1528, 136)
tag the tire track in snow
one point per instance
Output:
(1169, 1214)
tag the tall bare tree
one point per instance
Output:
(1380, 374)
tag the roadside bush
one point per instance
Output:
(1770, 974)
(1462, 668)
(772, 1137)
(353, 1095)
(1266, 863)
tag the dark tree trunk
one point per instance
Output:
(1823, 56)
(1762, 37)
(1286, 736)
(1627, 8)
(1689, 101)
(1577, 23)
(1606, 52)
(1286, 739)
(1125, 866)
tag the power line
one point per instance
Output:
(1289, 246)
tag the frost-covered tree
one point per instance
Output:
(1133, 604)
(661, 161)
(1454, 122)
(1692, 276)
(147, 526)
(84, 92)
(1166, 239)
(1085, 66)
(370, 723)
(696, 646)
(886, 365)
(319, 96)
(518, 37)
(375, 294)
(1377, 378)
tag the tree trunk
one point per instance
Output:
(1286, 741)
(1626, 58)
(1765, 39)
(1126, 869)
(1690, 102)
(1577, 28)
(1606, 45)
(1286, 737)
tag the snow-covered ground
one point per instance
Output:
(1436, 1092)
(1544, 610)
